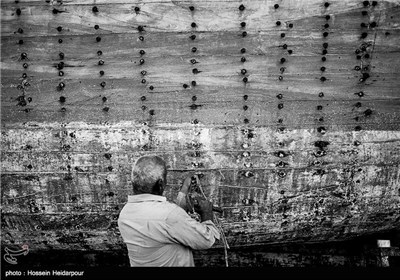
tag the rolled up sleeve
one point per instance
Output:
(189, 232)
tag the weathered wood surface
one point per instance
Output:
(65, 165)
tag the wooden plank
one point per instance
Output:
(268, 158)
(63, 192)
(130, 138)
(225, 113)
(172, 17)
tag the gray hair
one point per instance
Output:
(146, 171)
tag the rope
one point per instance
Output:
(217, 222)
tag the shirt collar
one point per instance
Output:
(146, 197)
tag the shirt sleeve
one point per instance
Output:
(187, 231)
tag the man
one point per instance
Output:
(158, 232)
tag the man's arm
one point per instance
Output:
(181, 198)
(187, 231)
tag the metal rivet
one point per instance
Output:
(244, 34)
(96, 26)
(245, 80)
(368, 112)
(141, 61)
(283, 35)
(103, 84)
(137, 9)
(357, 128)
(61, 85)
(245, 97)
(101, 62)
(283, 60)
(366, 55)
(290, 25)
(243, 59)
(191, 8)
(59, 28)
(242, 24)
(192, 37)
(60, 41)
(242, 50)
(324, 52)
(18, 11)
(151, 112)
(363, 24)
(98, 39)
(60, 65)
(25, 65)
(321, 94)
(326, 4)
(143, 98)
(142, 52)
(140, 28)
(194, 83)
(61, 55)
(20, 30)
(241, 7)
(151, 87)
(29, 99)
(366, 3)
(24, 55)
(185, 85)
(327, 17)
(141, 38)
(60, 73)
(143, 73)
(364, 13)
(245, 107)
(280, 106)
(322, 79)
(95, 9)
(20, 42)
(282, 69)
(323, 58)
(276, 6)
(372, 24)
(104, 99)
(323, 68)
(143, 81)
(24, 75)
(364, 35)
(280, 78)
(101, 73)
(325, 34)
(321, 130)
(62, 99)
(319, 107)
(194, 49)
(194, 98)
(193, 24)
(246, 120)
(290, 51)
(278, 23)
(279, 96)
(243, 71)
(284, 46)
(374, 3)
(195, 71)
(321, 119)
(325, 45)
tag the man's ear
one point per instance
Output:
(158, 188)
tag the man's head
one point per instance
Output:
(149, 175)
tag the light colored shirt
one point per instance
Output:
(160, 233)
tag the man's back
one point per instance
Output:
(160, 233)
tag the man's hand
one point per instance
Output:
(186, 185)
(204, 208)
